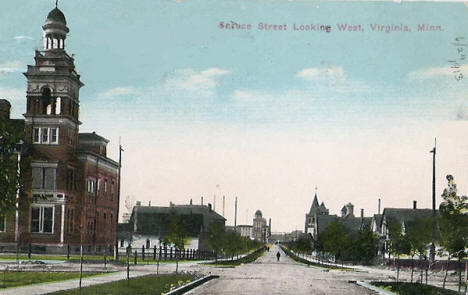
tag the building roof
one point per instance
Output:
(57, 16)
(91, 137)
(177, 209)
(315, 208)
(406, 215)
(351, 224)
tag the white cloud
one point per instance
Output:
(12, 94)
(11, 67)
(434, 72)
(22, 37)
(326, 71)
(116, 92)
(202, 83)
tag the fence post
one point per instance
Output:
(165, 252)
(154, 252)
(170, 253)
(136, 257)
(29, 251)
(143, 252)
(68, 251)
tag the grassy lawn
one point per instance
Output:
(413, 288)
(305, 261)
(143, 285)
(14, 279)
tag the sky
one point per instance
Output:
(270, 116)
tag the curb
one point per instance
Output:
(192, 285)
(374, 288)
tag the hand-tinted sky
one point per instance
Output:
(264, 115)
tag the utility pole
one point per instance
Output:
(432, 251)
(235, 215)
(116, 250)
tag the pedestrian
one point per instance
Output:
(278, 255)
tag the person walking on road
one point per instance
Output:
(278, 255)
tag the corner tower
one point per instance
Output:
(53, 91)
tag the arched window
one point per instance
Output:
(46, 101)
(58, 105)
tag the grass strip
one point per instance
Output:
(305, 261)
(10, 279)
(246, 259)
(403, 288)
(146, 285)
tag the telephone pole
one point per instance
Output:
(116, 251)
(235, 215)
(432, 251)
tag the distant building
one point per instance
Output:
(311, 217)
(318, 219)
(245, 231)
(260, 229)
(148, 225)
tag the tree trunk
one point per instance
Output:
(177, 265)
(446, 272)
(421, 269)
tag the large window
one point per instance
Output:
(43, 178)
(42, 219)
(45, 135)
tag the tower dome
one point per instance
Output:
(55, 30)
(56, 15)
(258, 213)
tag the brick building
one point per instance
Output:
(73, 194)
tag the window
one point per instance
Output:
(45, 135)
(105, 185)
(43, 178)
(90, 186)
(42, 219)
(98, 187)
(37, 135)
(53, 135)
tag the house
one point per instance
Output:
(149, 225)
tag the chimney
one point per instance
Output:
(362, 213)
(190, 202)
(5, 108)
(209, 207)
(202, 200)
(149, 203)
(138, 203)
(415, 203)
(378, 210)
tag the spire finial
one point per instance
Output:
(316, 190)
(56, 3)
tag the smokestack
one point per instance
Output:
(362, 213)
(224, 203)
(378, 210)
(190, 202)
(202, 200)
(415, 203)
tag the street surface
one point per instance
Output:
(267, 276)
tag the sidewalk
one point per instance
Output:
(46, 288)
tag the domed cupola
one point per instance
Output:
(55, 30)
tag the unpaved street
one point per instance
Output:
(267, 276)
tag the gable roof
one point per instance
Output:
(406, 215)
